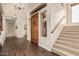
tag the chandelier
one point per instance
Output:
(19, 6)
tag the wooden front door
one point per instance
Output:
(34, 28)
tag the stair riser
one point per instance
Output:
(66, 44)
(70, 30)
(66, 38)
(59, 53)
(71, 27)
(69, 36)
(65, 49)
(70, 40)
(70, 33)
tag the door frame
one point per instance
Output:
(39, 23)
(39, 9)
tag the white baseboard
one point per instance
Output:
(48, 49)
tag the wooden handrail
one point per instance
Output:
(58, 24)
(74, 4)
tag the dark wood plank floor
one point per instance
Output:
(22, 47)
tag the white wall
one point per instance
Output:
(28, 22)
(20, 21)
(57, 12)
(68, 14)
(8, 9)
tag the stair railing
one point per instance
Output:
(58, 24)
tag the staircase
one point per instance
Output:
(67, 43)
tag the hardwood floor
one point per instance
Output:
(22, 47)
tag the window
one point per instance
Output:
(75, 13)
(44, 23)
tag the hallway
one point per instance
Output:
(51, 26)
(14, 47)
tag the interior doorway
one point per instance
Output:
(10, 30)
(34, 28)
